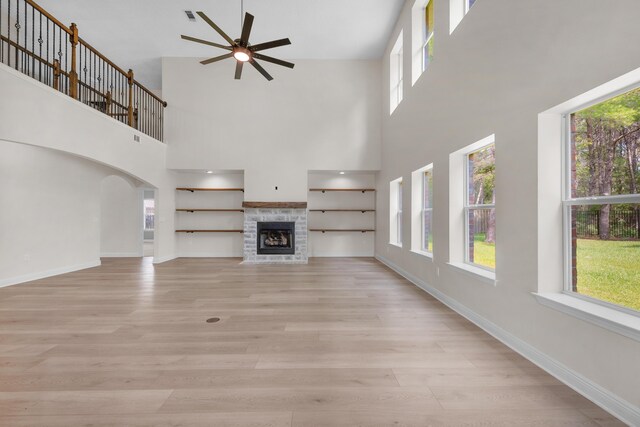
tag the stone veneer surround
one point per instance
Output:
(254, 215)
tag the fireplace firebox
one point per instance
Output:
(276, 238)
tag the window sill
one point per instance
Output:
(397, 245)
(485, 276)
(423, 253)
(609, 318)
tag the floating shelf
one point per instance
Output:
(209, 231)
(342, 230)
(361, 190)
(209, 210)
(209, 189)
(342, 210)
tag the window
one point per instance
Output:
(423, 28)
(479, 208)
(149, 214)
(458, 9)
(396, 73)
(422, 211)
(602, 201)
(395, 212)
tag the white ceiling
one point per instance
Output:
(137, 33)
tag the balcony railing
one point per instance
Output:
(35, 43)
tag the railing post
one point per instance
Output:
(130, 77)
(73, 74)
(56, 74)
(109, 101)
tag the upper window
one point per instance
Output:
(479, 208)
(395, 212)
(423, 28)
(602, 201)
(422, 211)
(396, 74)
(458, 9)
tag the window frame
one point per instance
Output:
(426, 37)
(568, 201)
(395, 212)
(468, 207)
(396, 73)
(428, 171)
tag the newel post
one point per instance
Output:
(130, 77)
(73, 74)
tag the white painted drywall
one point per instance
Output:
(34, 114)
(50, 212)
(505, 63)
(322, 115)
(121, 218)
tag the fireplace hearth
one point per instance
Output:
(276, 238)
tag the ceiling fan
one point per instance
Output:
(240, 49)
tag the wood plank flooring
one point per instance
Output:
(339, 342)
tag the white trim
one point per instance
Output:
(397, 245)
(423, 253)
(485, 276)
(615, 320)
(121, 255)
(608, 401)
(603, 200)
(160, 260)
(47, 273)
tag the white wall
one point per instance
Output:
(504, 64)
(341, 244)
(323, 115)
(34, 114)
(121, 218)
(209, 244)
(50, 213)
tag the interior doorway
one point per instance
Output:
(149, 215)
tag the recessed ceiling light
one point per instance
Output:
(341, 173)
(209, 171)
(190, 15)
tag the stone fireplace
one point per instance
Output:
(275, 233)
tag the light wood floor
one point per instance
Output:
(338, 342)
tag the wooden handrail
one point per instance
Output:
(148, 92)
(49, 16)
(101, 56)
(144, 108)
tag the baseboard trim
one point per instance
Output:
(121, 255)
(160, 260)
(209, 255)
(611, 403)
(47, 273)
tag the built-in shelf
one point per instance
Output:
(342, 231)
(209, 231)
(361, 190)
(209, 189)
(209, 210)
(342, 210)
(274, 205)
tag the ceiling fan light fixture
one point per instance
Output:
(241, 54)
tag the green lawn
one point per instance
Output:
(484, 253)
(610, 271)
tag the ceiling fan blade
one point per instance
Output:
(193, 39)
(270, 45)
(239, 65)
(215, 27)
(216, 59)
(273, 60)
(246, 28)
(260, 69)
